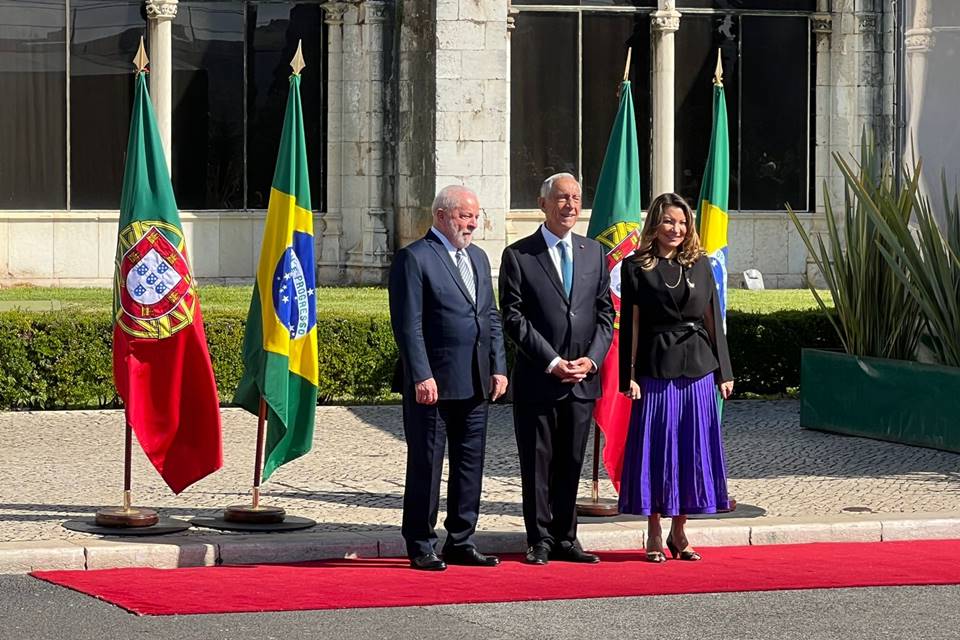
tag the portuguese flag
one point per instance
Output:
(161, 366)
(280, 344)
(615, 223)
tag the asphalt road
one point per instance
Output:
(30, 609)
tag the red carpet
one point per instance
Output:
(339, 584)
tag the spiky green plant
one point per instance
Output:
(926, 260)
(875, 313)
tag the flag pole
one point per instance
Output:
(256, 513)
(127, 515)
(596, 507)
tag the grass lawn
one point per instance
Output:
(357, 299)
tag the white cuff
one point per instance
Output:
(553, 363)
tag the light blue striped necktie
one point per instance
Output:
(466, 272)
(566, 267)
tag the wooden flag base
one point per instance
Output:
(599, 508)
(126, 517)
(248, 514)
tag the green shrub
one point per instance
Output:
(56, 361)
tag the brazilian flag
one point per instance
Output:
(280, 344)
(714, 193)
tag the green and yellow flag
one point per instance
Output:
(280, 344)
(712, 205)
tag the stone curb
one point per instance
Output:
(195, 551)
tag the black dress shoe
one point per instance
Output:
(574, 553)
(428, 562)
(538, 554)
(470, 557)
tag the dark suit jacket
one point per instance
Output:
(440, 333)
(544, 323)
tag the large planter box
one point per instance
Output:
(895, 400)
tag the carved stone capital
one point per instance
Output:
(665, 21)
(511, 19)
(333, 12)
(822, 23)
(919, 40)
(161, 9)
(867, 23)
(375, 11)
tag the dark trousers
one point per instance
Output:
(552, 440)
(427, 429)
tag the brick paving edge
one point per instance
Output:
(173, 551)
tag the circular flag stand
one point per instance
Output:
(255, 516)
(126, 520)
(597, 507)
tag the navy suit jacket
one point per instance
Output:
(440, 332)
(545, 323)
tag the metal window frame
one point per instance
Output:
(809, 202)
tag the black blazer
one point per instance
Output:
(544, 323)
(440, 333)
(667, 345)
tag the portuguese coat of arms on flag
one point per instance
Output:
(615, 223)
(161, 366)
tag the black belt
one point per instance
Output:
(678, 326)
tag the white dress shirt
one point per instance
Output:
(452, 250)
(553, 251)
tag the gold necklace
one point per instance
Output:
(679, 278)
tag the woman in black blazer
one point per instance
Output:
(673, 360)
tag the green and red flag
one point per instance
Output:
(161, 366)
(280, 343)
(615, 223)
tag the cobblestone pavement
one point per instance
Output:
(60, 465)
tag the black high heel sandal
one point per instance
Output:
(691, 556)
(656, 555)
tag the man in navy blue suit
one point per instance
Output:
(452, 363)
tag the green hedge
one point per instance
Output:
(56, 361)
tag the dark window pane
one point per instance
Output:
(543, 102)
(775, 138)
(276, 30)
(697, 43)
(769, 5)
(208, 105)
(605, 41)
(648, 4)
(33, 105)
(104, 37)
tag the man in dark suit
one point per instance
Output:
(452, 363)
(554, 292)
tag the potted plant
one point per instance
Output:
(895, 280)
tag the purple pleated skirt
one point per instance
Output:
(673, 462)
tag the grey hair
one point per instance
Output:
(547, 185)
(451, 196)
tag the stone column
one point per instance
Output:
(664, 24)
(330, 267)
(366, 197)
(919, 41)
(454, 118)
(822, 26)
(160, 15)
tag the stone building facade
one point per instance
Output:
(418, 94)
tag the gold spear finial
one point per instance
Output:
(297, 63)
(141, 60)
(718, 74)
